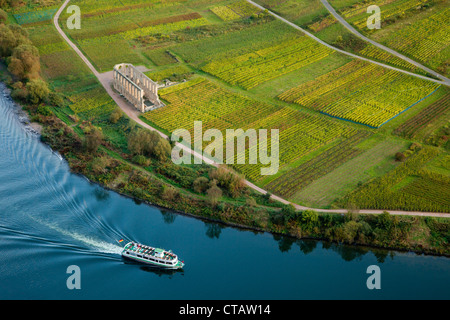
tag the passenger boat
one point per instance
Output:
(153, 256)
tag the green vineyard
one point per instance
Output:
(362, 93)
(218, 108)
(412, 127)
(296, 179)
(252, 69)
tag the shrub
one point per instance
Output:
(214, 193)
(141, 160)
(226, 178)
(38, 91)
(168, 193)
(309, 218)
(399, 156)
(93, 138)
(115, 116)
(55, 99)
(201, 184)
(99, 165)
(24, 62)
(44, 110)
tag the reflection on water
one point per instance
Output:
(101, 194)
(168, 217)
(153, 269)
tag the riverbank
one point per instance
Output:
(152, 185)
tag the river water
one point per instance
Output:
(51, 219)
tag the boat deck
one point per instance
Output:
(150, 251)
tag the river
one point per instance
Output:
(51, 219)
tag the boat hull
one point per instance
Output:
(179, 265)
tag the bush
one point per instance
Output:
(200, 184)
(309, 219)
(93, 138)
(214, 193)
(19, 91)
(141, 160)
(231, 181)
(24, 62)
(99, 165)
(38, 91)
(115, 116)
(168, 193)
(55, 99)
(44, 110)
(399, 156)
(415, 147)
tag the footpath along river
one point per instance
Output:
(51, 219)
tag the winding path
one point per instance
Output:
(105, 79)
(393, 52)
(445, 81)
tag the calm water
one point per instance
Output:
(51, 219)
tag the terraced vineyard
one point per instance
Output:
(426, 41)
(225, 13)
(221, 109)
(357, 13)
(250, 70)
(413, 126)
(417, 29)
(236, 10)
(362, 93)
(420, 189)
(92, 103)
(296, 179)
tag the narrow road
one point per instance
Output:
(105, 79)
(293, 25)
(395, 53)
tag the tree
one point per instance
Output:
(309, 218)
(229, 180)
(115, 116)
(38, 91)
(149, 143)
(56, 99)
(3, 16)
(11, 36)
(214, 193)
(400, 156)
(99, 165)
(200, 184)
(24, 62)
(168, 193)
(160, 148)
(93, 139)
(288, 212)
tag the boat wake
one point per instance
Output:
(44, 175)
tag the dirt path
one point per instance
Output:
(105, 79)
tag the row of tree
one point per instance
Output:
(23, 61)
